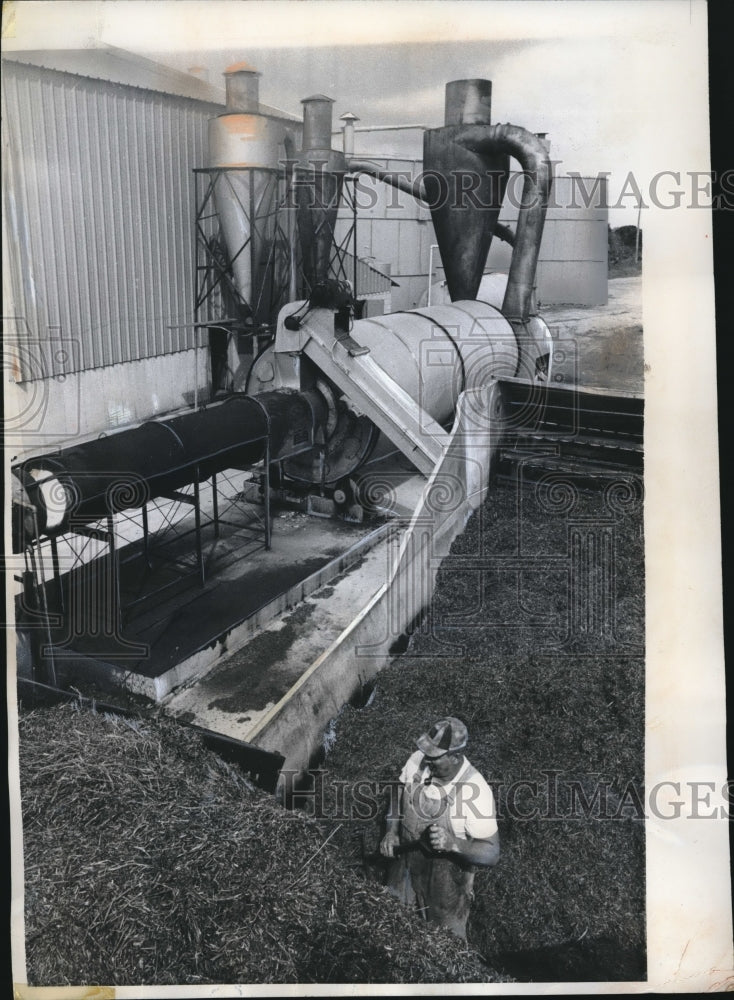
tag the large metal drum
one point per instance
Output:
(433, 354)
(100, 477)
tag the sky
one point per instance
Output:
(610, 81)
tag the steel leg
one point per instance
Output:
(57, 572)
(115, 589)
(215, 505)
(197, 522)
(266, 483)
(40, 584)
(146, 549)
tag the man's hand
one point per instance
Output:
(441, 839)
(389, 842)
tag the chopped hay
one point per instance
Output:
(150, 860)
(567, 899)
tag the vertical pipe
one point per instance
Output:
(468, 102)
(197, 330)
(433, 246)
(251, 249)
(354, 235)
(348, 132)
(292, 233)
(242, 89)
(317, 115)
(531, 153)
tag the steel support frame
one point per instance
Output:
(211, 267)
(36, 561)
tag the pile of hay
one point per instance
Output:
(567, 899)
(148, 860)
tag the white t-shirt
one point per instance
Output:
(471, 811)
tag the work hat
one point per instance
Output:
(448, 735)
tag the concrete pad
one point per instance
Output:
(177, 634)
(234, 696)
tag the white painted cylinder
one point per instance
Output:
(433, 353)
(244, 140)
(437, 352)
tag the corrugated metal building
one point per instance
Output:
(99, 148)
(87, 162)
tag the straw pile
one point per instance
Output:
(150, 860)
(567, 900)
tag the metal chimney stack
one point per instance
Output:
(244, 150)
(242, 89)
(464, 190)
(319, 178)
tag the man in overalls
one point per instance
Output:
(440, 828)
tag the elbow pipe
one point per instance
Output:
(397, 180)
(504, 233)
(533, 157)
(417, 190)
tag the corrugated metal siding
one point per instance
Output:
(99, 202)
(370, 281)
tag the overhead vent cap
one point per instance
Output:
(242, 84)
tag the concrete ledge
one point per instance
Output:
(228, 641)
(295, 725)
(237, 636)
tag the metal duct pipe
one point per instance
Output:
(531, 153)
(416, 189)
(319, 178)
(101, 477)
(242, 88)
(396, 179)
(468, 102)
(464, 190)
